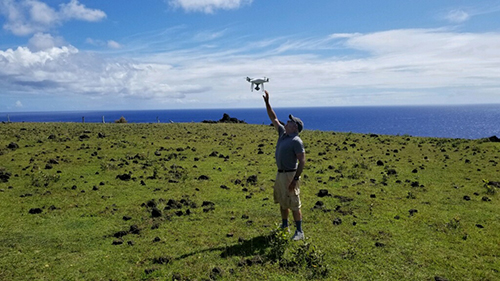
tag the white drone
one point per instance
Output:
(257, 82)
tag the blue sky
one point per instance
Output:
(58, 55)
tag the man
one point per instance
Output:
(289, 151)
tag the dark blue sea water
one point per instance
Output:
(465, 121)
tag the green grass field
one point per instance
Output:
(194, 202)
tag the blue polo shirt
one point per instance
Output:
(287, 148)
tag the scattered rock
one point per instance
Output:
(150, 270)
(34, 211)
(4, 176)
(151, 203)
(134, 229)
(124, 177)
(412, 212)
(162, 260)
(479, 226)
(494, 183)
(173, 204)
(225, 119)
(337, 221)
(216, 273)
(392, 172)
(466, 198)
(486, 199)
(323, 193)
(379, 244)
(120, 234)
(155, 212)
(380, 163)
(252, 179)
(12, 145)
(117, 242)
(203, 177)
(494, 139)
(207, 203)
(319, 205)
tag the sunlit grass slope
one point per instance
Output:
(194, 202)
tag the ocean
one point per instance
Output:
(457, 121)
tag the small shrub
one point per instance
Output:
(490, 189)
(278, 243)
(308, 256)
(453, 224)
(43, 180)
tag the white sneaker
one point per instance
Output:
(299, 235)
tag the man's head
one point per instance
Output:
(294, 124)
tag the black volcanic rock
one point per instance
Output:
(494, 139)
(225, 119)
(4, 176)
(12, 145)
(124, 177)
(323, 193)
(34, 211)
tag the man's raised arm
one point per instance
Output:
(270, 111)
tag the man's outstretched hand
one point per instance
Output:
(266, 97)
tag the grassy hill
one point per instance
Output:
(194, 202)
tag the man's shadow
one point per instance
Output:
(252, 247)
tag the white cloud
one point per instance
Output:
(27, 17)
(19, 104)
(457, 16)
(40, 13)
(208, 6)
(75, 10)
(209, 36)
(114, 45)
(396, 66)
(343, 35)
(43, 41)
(100, 43)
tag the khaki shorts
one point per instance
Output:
(286, 199)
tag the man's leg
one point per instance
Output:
(297, 216)
(284, 217)
(299, 234)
